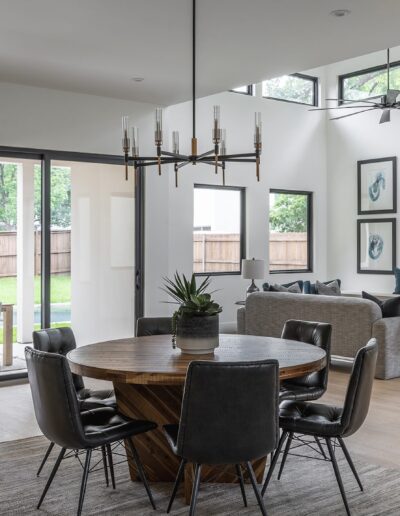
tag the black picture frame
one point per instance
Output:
(360, 222)
(360, 164)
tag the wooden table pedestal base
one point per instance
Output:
(162, 404)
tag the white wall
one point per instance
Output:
(294, 157)
(349, 140)
(52, 119)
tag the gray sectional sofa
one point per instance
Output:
(353, 320)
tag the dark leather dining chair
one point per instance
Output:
(147, 326)
(61, 421)
(311, 386)
(229, 416)
(61, 341)
(332, 424)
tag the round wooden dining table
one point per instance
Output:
(149, 375)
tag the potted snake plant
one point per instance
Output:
(195, 324)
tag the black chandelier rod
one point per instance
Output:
(194, 67)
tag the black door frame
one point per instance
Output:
(46, 156)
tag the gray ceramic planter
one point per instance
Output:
(197, 335)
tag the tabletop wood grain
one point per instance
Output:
(151, 360)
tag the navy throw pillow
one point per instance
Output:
(397, 278)
(309, 288)
(390, 307)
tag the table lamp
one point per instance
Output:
(252, 269)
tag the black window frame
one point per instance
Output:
(242, 191)
(310, 229)
(250, 90)
(311, 78)
(343, 77)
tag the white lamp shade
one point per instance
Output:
(253, 269)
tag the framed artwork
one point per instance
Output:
(377, 179)
(376, 246)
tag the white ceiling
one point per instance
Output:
(97, 46)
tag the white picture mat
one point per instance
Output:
(369, 173)
(384, 261)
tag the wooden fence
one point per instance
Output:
(287, 251)
(60, 252)
(218, 252)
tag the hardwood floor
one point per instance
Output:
(377, 442)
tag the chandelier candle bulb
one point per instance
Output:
(135, 141)
(175, 142)
(216, 130)
(158, 128)
(257, 130)
(223, 142)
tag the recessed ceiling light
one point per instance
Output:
(340, 13)
(137, 79)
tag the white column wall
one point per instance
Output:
(102, 253)
(25, 250)
(294, 157)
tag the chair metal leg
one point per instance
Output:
(285, 454)
(321, 449)
(274, 462)
(52, 475)
(84, 481)
(142, 475)
(241, 482)
(177, 482)
(104, 454)
(46, 456)
(255, 488)
(350, 462)
(110, 464)
(337, 474)
(195, 490)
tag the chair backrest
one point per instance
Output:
(146, 326)
(229, 412)
(54, 398)
(359, 390)
(60, 341)
(318, 334)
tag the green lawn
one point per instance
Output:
(60, 287)
(35, 327)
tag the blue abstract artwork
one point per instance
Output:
(375, 246)
(374, 189)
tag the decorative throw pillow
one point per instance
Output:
(330, 289)
(294, 289)
(309, 288)
(390, 307)
(397, 278)
(268, 288)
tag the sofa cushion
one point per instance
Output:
(309, 288)
(294, 289)
(267, 286)
(327, 289)
(390, 307)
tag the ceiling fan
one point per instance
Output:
(385, 102)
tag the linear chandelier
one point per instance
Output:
(216, 157)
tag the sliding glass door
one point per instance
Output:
(92, 243)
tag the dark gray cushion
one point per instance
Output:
(330, 289)
(390, 307)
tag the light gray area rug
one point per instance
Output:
(308, 487)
